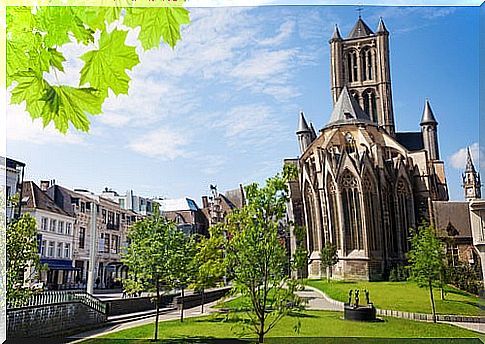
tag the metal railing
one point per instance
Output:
(61, 296)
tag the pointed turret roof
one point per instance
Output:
(360, 29)
(428, 116)
(347, 109)
(469, 162)
(381, 28)
(312, 129)
(302, 124)
(336, 34)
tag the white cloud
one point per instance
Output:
(458, 159)
(21, 127)
(160, 143)
(284, 32)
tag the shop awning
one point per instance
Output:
(58, 264)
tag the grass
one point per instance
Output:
(218, 328)
(404, 296)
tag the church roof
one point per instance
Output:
(412, 141)
(428, 116)
(381, 28)
(452, 219)
(302, 124)
(469, 162)
(360, 30)
(336, 34)
(347, 109)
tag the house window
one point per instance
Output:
(67, 250)
(53, 225)
(59, 250)
(106, 243)
(114, 244)
(68, 228)
(103, 212)
(83, 207)
(60, 227)
(43, 248)
(44, 224)
(452, 253)
(82, 236)
(50, 251)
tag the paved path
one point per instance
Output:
(316, 300)
(172, 315)
(319, 301)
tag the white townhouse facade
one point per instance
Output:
(55, 237)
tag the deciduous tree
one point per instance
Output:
(426, 259)
(257, 256)
(328, 258)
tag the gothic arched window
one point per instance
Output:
(367, 64)
(310, 212)
(352, 68)
(351, 212)
(333, 209)
(371, 213)
(370, 104)
(405, 211)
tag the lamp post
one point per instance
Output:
(92, 251)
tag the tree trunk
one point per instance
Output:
(182, 306)
(328, 273)
(157, 310)
(442, 293)
(202, 303)
(432, 300)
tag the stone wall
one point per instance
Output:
(51, 320)
(136, 304)
(195, 300)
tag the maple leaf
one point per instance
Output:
(106, 67)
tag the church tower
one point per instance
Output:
(429, 130)
(471, 180)
(361, 62)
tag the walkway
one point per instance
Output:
(171, 315)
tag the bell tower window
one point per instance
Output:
(367, 64)
(352, 68)
(370, 104)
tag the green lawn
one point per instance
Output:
(217, 329)
(404, 296)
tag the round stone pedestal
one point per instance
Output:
(361, 313)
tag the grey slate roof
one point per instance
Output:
(452, 219)
(35, 198)
(428, 116)
(360, 30)
(336, 34)
(469, 162)
(347, 109)
(302, 124)
(381, 28)
(412, 141)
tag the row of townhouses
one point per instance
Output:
(64, 221)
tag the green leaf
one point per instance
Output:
(97, 17)
(17, 60)
(106, 67)
(157, 23)
(30, 89)
(57, 22)
(64, 104)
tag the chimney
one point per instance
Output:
(44, 185)
(205, 202)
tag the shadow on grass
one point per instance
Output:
(293, 340)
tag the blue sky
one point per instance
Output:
(221, 108)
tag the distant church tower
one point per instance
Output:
(361, 62)
(305, 133)
(471, 180)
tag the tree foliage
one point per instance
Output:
(210, 267)
(23, 262)
(257, 256)
(426, 259)
(35, 36)
(328, 258)
(158, 257)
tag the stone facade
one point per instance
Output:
(362, 185)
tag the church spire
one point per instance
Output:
(429, 131)
(336, 34)
(428, 116)
(360, 29)
(381, 29)
(471, 179)
(304, 133)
